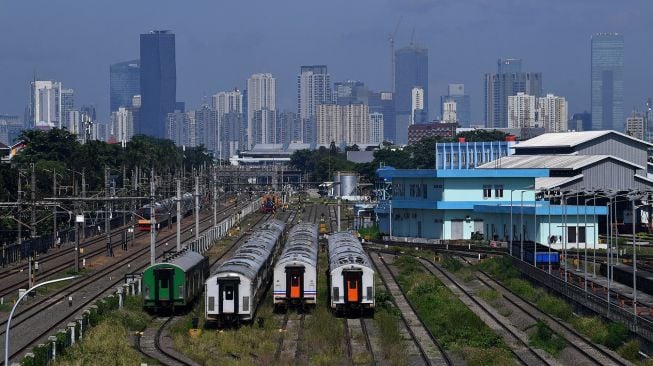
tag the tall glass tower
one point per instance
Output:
(158, 81)
(608, 82)
(411, 70)
(124, 83)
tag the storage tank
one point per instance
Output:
(336, 185)
(348, 183)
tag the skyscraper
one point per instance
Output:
(313, 89)
(521, 111)
(158, 81)
(417, 112)
(552, 113)
(456, 93)
(261, 95)
(229, 102)
(383, 103)
(67, 105)
(124, 83)
(607, 81)
(635, 126)
(45, 104)
(376, 128)
(509, 80)
(122, 125)
(411, 70)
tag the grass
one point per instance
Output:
(107, 343)
(613, 335)
(391, 341)
(456, 327)
(546, 339)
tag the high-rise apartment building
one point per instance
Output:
(552, 113)
(521, 111)
(350, 92)
(232, 134)
(124, 83)
(607, 81)
(635, 126)
(411, 70)
(287, 127)
(45, 107)
(456, 93)
(329, 124)
(122, 126)
(343, 124)
(508, 81)
(313, 89)
(178, 128)
(376, 128)
(417, 105)
(264, 129)
(383, 103)
(158, 81)
(227, 102)
(261, 95)
(450, 112)
(207, 128)
(67, 105)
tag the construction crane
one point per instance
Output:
(391, 38)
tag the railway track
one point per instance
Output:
(358, 341)
(429, 348)
(593, 353)
(152, 345)
(524, 353)
(137, 260)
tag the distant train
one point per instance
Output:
(351, 276)
(295, 274)
(270, 202)
(175, 284)
(164, 210)
(235, 290)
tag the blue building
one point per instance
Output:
(451, 204)
(158, 81)
(124, 83)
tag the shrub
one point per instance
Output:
(617, 335)
(545, 339)
(629, 350)
(555, 306)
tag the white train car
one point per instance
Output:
(295, 274)
(351, 275)
(234, 291)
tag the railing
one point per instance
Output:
(598, 304)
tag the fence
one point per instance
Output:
(15, 252)
(206, 240)
(598, 304)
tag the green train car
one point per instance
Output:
(176, 283)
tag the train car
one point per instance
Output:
(270, 202)
(234, 291)
(164, 211)
(295, 274)
(175, 284)
(351, 276)
(545, 256)
(623, 274)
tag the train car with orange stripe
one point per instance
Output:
(351, 276)
(295, 274)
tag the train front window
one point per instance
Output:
(229, 293)
(352, 284)
(294, 281)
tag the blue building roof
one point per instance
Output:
(466, 173)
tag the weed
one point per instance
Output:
(544, 338)
(487, 356)
(629, 350)
(489, 295)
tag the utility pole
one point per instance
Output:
(178, 214)
(215, 199)
(338, 214)
(33, 209)
(77, 234)
(152, 222)
(197, 207)
(20, 224)
(54, 208)
(107, 214)
(83, 195)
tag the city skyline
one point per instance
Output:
(209, 60)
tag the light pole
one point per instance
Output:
(11, 314)
(511, 226)
(521, 229)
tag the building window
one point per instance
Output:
(487, 191)
(498, 190)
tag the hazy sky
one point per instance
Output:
(220, 43)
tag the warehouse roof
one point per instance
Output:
(570, 162)
(553, 182)
(570, 139)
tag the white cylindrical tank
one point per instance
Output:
(348, 183)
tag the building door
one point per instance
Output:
(456, 229)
